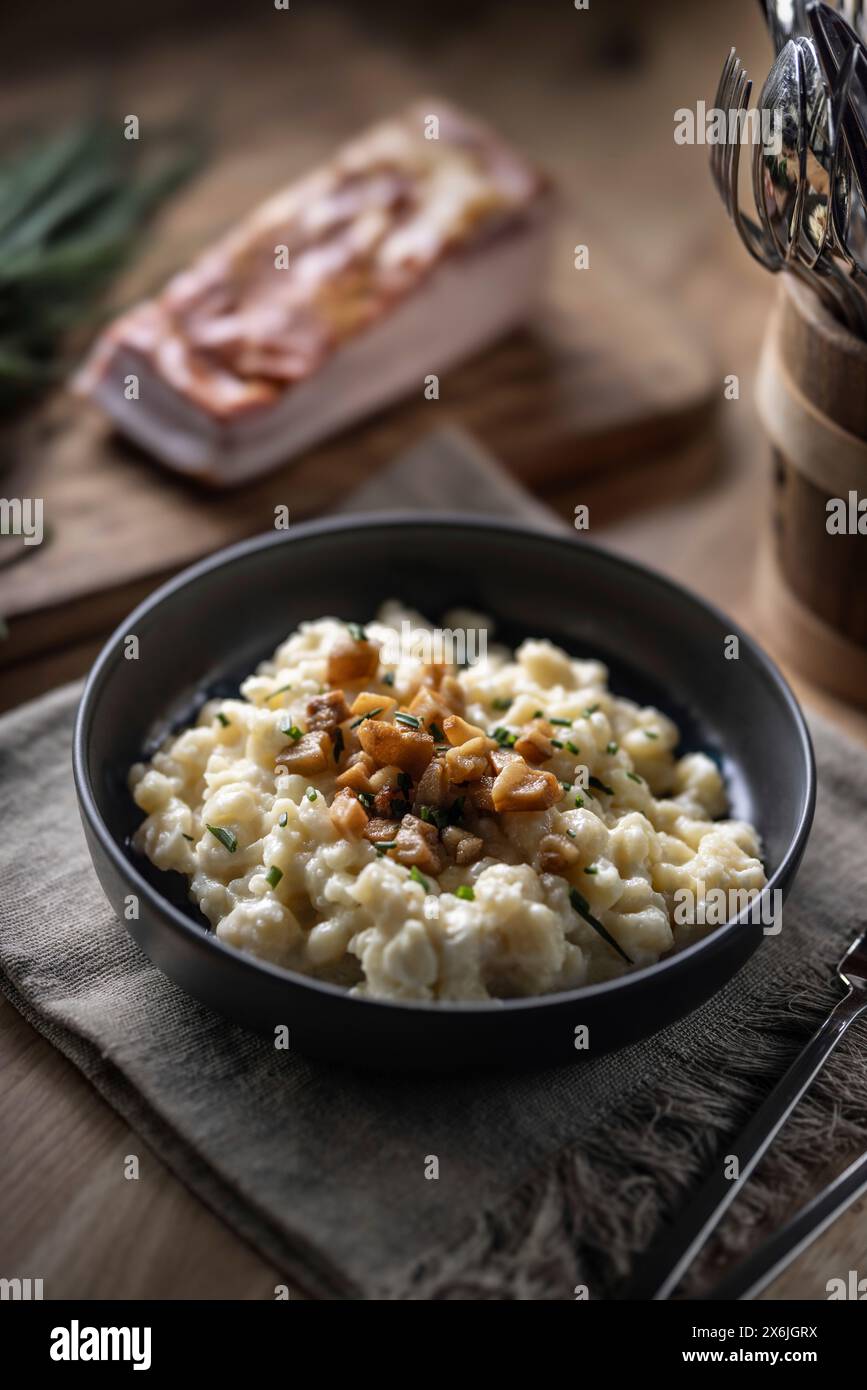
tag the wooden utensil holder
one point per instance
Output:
(812, 400)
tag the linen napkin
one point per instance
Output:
(547, 1179)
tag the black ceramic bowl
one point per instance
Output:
(202, 632)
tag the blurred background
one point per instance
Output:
(613, 397)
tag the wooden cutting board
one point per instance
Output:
(604, 399)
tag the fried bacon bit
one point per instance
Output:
(351, 661)
(458, 731)
(534, 743)
(433, 787)
(348, 814)
(522, 788)
(327, 711)
(312, 753)
(466, 848)
(357, 773)
(433, 673)
(428, 707)
(452, 693)
(388, 776)
(501, 757)
(380, 831)
(479, 793)
(409, 749)
(368, 701)
(556, 854)
(418, 843)
(468, 762)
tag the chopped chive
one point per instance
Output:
(650, 733)
(635, 777)
(601, 787)
(579, 802)
(273, 876)
(582, 907)
(189, 837)
(434, 816)
(371, 714)
(418, 877)
(466, 892)
(226, 838)
(292, 732)
(338, 745)
(571, 834)
(566, 723)
(611, 747)
(281, 690)
(388, 678)
(223, 720)
(567, 786)
(311, 795)
(436, 732)
(501, 703)
(538, 714)
(573, 747)
(386, 844)
(366, 799)
(504, 738)
(357, 632)
(408, 719)
(591, 869)
(284, 820)
(556, 743)
(591, 709)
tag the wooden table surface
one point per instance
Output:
(66, 1212)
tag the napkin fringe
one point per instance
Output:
(583, 1216)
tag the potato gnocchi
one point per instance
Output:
(420, 831)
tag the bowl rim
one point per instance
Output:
(252, 966)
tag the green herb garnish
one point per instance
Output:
(189, 837)
(408, 719)
(582, 907)
(226, 838)
(573, 748)
(366, 799)
(357, 632)
(501, 703)
(466, 892)
(281, 690)
(566, 723)
(418, 877)
(436, 732)
(311, 795)
(579, 802)
(371, 714)
(504, 738)
(591, 709)
(223, 720)
(591, 869)
(635, 778)
(556, 743)
(601, 787)
(338, 745)
(273, 876)
(292, 732)
(388, 678)
(650, 733)
(611, 747)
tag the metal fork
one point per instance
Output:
(732, 96)
(659, 1271)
